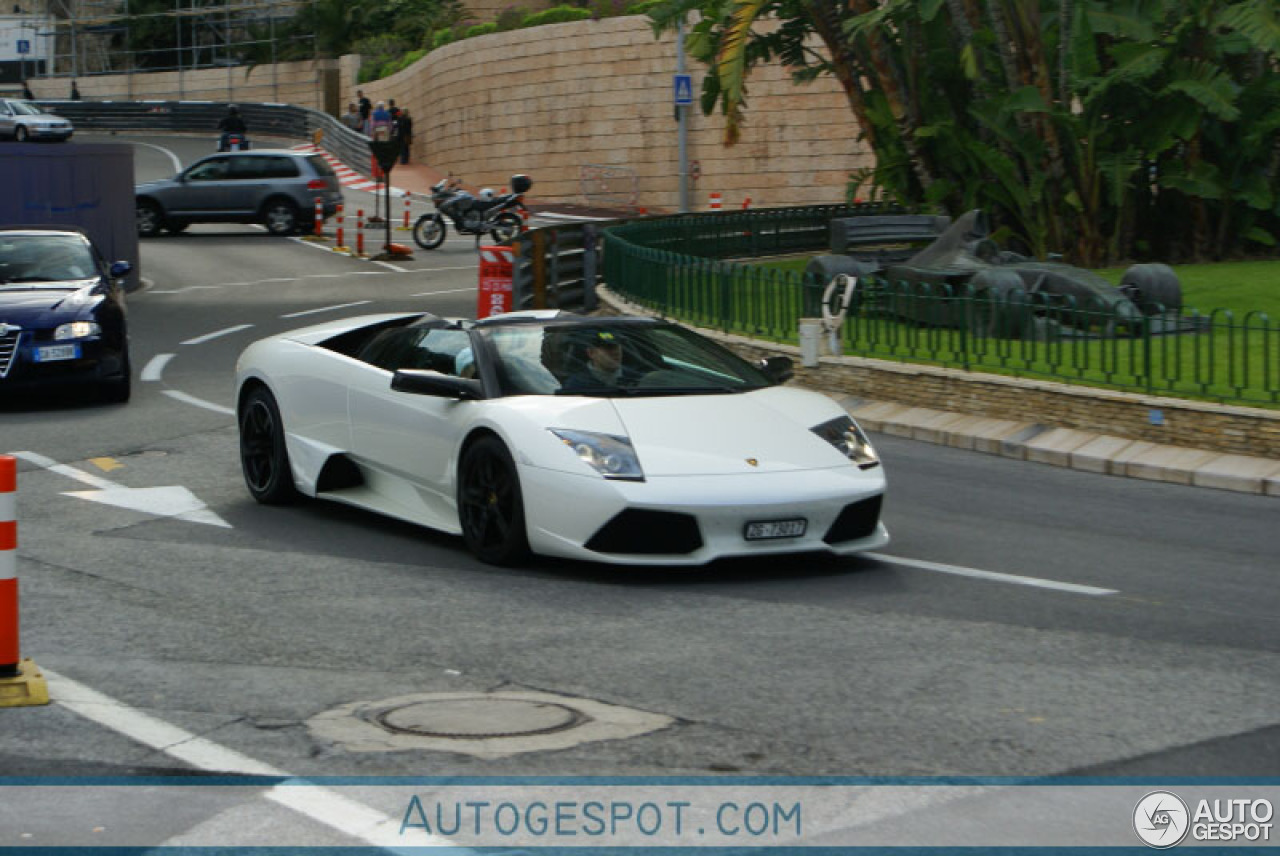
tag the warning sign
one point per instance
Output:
(494, 296)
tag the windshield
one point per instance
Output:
(616, 359)
(30, 259)
(25, 108)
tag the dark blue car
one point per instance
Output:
(62, 315)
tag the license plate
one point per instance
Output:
(762, 530)
(57, 352)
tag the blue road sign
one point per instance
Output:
(683, 86)
(24, 46)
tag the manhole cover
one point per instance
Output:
(479, 718)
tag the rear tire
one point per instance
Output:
(264, 458)
(280, 217)
(490, 505)
(429, 231)
(150, 218)
(506, 227)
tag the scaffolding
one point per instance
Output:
(94, 37)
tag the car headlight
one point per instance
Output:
(609, 455)
(77, 330)
(845, 435)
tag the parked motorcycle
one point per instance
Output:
(233, 143)
(497, 215)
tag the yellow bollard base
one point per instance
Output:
(344, 250)
(316, 239)
(29, 688)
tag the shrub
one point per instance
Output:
(556, 15)
(643, 7)
(480, 29)
(511, 18)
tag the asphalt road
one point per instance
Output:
(242, 629)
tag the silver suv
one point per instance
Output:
(275, 187)
(24, 121)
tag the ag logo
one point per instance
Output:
(1161, 819)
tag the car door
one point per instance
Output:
(7, 121)
(203, 190)
(247, 178)
(409, 438)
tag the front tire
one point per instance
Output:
(280, 217)
(264, 458)
(490, 506)
(118, 391)
(429, 231)
(20, 134)
(505, 228)
(150, 218)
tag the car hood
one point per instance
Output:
(31, 304)
(155, 185)
(762, 431)
(46, 120)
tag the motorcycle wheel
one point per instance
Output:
(506, 227)
(429, 231)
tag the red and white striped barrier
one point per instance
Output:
(714, 202)
(494, 297)
(8, 566)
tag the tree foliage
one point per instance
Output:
(1104, 129)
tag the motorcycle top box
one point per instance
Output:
(521, 183)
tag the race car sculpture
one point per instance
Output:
(619, 440)
(964, 279)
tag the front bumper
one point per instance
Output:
(96, 362)
(46, 133)
(567, 513)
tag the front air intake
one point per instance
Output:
(857, 520)
(636, 531)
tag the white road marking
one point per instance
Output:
(182, 290)
(321, 805)
(992, 576)
(199, 402)
(199, 340)
(393, 267)
(173, 501)
(326, 309)
(445, 291)
(155, 367)
(177, 164)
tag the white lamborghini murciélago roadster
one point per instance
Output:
(623, 440)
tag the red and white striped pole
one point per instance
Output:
(9, 658)
(341, 242)
(319, 217)
(406, 209)
(359, 231)
(714, 202)
(746, 203)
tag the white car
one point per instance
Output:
(619, 440)
(24, 122)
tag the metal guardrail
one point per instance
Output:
(281, 120)
(678, 267)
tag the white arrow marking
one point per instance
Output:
(175, 501)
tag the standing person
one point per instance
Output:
(27, 94)
(404, 133)
(393, 110)
(75, 91)
(351, 118)
(366, 109)
(380, 122)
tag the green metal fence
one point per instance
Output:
(681, 267)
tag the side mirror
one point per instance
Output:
(777, 369)
(423, 382)
(119, 269)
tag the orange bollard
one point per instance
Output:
(406, 209)
(746, 203)
(319, 217)
(524, 219)
(714, 202)
(9, 658)
(341, 236)
(359, 231)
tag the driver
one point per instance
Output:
(231, 124)
(603, 367)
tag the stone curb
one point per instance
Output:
(1066, 447)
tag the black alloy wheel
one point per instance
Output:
(263, 456)
(506, 227)
(429, 231)
(490, 507)
(280, 217)
(150, 218)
